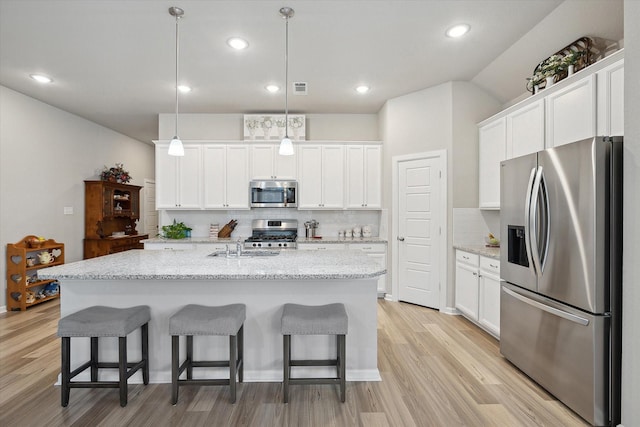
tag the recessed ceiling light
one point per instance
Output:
(363, 89)
(272, 88)
(458, 30)
(41, 78)
(184, 88)
(238, 43)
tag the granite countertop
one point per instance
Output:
(480, 250)
(197, 265)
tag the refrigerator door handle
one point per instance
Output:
(551, 310)
(533, 222)
(527, 215)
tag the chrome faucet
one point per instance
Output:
(239, 248)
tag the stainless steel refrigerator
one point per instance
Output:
(560, 303)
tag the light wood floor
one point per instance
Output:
(437, 370)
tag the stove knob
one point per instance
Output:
(280, 244)
(254, 245)
(269, 244)
(259, 244)
(284, 245)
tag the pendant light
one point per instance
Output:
(175, 146)
(286, 146)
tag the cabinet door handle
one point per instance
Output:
(475, 274)
(401, 239)
(465, 257)
(493, 266)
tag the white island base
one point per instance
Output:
(262, 340)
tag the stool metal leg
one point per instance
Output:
(94, 359)
(175, 363)
(342, 362)
(145, 353)
(66, 370)
(233, 354)
(122, 365)
(189, 357)
(286, 339)
(241, 353)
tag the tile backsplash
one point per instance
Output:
(470, 225)
(330, 221)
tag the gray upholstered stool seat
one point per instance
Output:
(204, 320)
(100, 321)
(330, 319)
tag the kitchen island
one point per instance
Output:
(168, 280)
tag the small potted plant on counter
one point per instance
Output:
(177, 230)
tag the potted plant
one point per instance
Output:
(570, 60)
(177, 230)
(115, 174)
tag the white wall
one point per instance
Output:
(45, 155)
(441, 117)
(631, 268)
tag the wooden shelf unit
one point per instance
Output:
(111, 207)
(18, 271)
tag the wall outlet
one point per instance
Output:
(68, 210)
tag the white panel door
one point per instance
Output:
(525, 130)
(237, 177)
(310, 177)
(489, 303)
(418, 231)
(491, 151)
(262, 161)
(333, 177)
(571, 113)
(166, 178)
(355, 170)
(149, 205)
(467, 290)
(190, 178)
(611, 99)
(215, 174)
(373, 176)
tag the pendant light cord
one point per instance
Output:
(177, 60)
(286, 79)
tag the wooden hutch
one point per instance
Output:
(111, 210)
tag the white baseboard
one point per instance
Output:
(3, 309)
(451, 311)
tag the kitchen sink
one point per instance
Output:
(250, 253)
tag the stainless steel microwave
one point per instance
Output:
(273, 194)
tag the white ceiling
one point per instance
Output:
(112, 61)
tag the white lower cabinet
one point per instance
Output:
(489, 296)
(478, 290)
(321, 246)
(467, 265)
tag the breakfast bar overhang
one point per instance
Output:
(168, 280)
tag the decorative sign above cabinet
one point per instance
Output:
(267, 127)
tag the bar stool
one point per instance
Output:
(330, 319)
(99, 321)
(202, 320)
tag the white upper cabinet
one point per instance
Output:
(179, 179)
(571, 113)
(610, 82)
(226, 176)
(267, 163)
(525, 130)
(321, 176)
(364, 176)
(491, 151)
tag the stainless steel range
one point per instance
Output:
(273, 233)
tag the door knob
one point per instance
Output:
(401, 239)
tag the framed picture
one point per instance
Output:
(271, 127)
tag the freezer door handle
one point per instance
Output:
(527, 217)
(552, 310)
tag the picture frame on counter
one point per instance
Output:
(271, 127)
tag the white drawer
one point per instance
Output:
(369, 247)
(467, 258)
(490, 265)
(170, 246)
(321, 246)
(215, 246)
